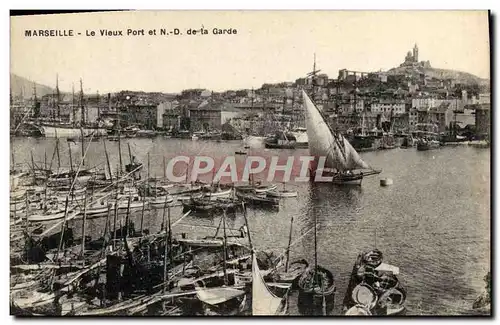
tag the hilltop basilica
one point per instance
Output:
(411, 59)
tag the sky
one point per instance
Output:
(270, 46)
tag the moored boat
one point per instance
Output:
(256, 188)
(374, 288)
(160, 201)
(283, 193)
(257, 200)
(427, 144)
(264, 301)
(281, 140)
(47, 216)
(316, 291)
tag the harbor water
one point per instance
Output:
(433, 222)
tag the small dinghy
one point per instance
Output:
(294, 272)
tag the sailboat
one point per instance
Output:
(342, 160)
(57, 128)
(362, 141)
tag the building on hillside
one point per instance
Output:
(352, 105)
(395, 106)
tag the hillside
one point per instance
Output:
(20, 85)
(458, 76)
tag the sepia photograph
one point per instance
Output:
(250, 163)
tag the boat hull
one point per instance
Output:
(257, 200)
(312, 300)
(46, 217)
(427, 146)
(159, 202)
(312, 304)
(271, 145)
(348, 180)
(70, 132)
(282, 194)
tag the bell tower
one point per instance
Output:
(415, 53)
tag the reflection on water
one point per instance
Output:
(434, 222)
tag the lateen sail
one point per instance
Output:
(264, 302)
(322, 142)
(215, 296)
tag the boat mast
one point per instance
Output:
(83, 225)
(363, 133)
(129, 153)
(313, 75)
(83, 145)
(251, 120)
(225, 247)
(165, 256)
(313, 79)
(148, 174)
(82, 107)
(164, 169)
(35, 101)
(107, 160)
(288, 247)
(98, 100)
(58, 154)
(283, 112)
(70, 158)
(315, 249)
(168, 242)
(246, 224)
(57, 97)
(73, 103)
(119, 143)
